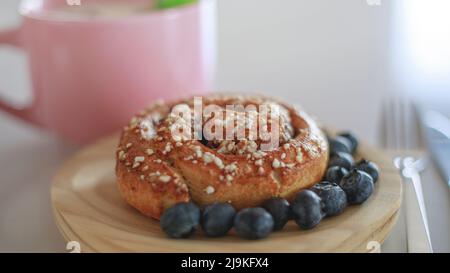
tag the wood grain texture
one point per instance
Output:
(89, 209)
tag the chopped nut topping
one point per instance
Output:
(260, 170)
(299, 156)
(176, 138)
(122, 155)
(182, 188)
(139, 159)
(164, 178)
(210, 190)
(218, 162)
(208, 157)
(245, 148)
(157, 173)
(231, 167)
(222, 150)
(168, 147)
(258, 154)
(290, 165)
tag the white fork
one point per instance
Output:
(417, 228)
(400, 132)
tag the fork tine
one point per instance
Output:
(397, 122)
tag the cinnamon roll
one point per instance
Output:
(241, 149)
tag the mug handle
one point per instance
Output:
(11, 37)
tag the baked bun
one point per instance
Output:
(157, 168)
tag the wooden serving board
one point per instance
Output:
(88, 208)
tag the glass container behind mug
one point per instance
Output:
(93, 68)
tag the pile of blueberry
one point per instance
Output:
(345, 183)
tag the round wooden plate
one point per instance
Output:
(88, 208)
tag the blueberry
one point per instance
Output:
(333, 197)
(181, 220)
(342, 159)
(358, 186)
(369, 167)
(340, 144)
(352, 139)
(218, 219)
(307, 209)
(280, 211)
(253, 223)
(335, 173)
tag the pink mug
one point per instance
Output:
(91, 74)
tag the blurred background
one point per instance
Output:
(339, 60)
(332, 58)
(370, 66)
